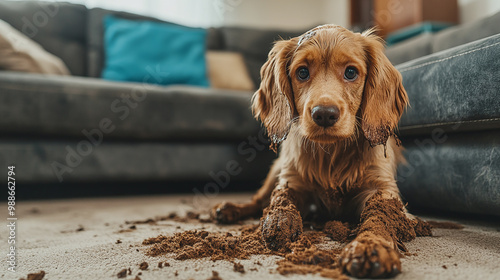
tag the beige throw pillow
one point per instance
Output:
(20, 53)
(227, 70)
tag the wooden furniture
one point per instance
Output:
(392, 15)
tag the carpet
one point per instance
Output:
(90, 239)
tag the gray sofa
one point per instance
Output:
(172, 134)
(451, 131)
(187, 134)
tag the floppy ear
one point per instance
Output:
(273, 102)
(384, 98)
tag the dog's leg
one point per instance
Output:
(227, 212)
(281, 223)
(374, 253)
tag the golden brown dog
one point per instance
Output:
(332, 99)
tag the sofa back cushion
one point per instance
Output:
(227, 70)
(20, 53)
(95, 35)
(466, 33)
(254, 44)
(429, 43)
(58, 27)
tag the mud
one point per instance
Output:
(386, 218)
(303, 253)
(122, 273)
(143, 266)
(238, 267)
(445, 225)
(188, 218)
(281, 223)
(196, 244)
(337, 231)
(306, 258)
(35, 276)
(215, 276)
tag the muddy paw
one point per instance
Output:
(280, 227)
(226, 213)
(370, 257)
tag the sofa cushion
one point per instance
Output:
(466, 33)
(32, 104)
(58, 27)
(69, 161)
(20, 53)
(412, 48)
(134, 49)
(455, 90)
(254, 44)
(457, 172)
(227, 70)
(95, 34)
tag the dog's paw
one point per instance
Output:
(280, 227)
(370, 257)
(226, 213)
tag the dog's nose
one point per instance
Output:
(325, 116)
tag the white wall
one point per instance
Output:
(471, 10)
(286, 14)
(281, 14)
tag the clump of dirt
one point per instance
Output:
(80, 228)
(122, 273)
(189, 217)
(386, 218)
(196, 244)
(238, 267)
(35, 276)
(129, 229)
(423, 228)
(445, 225)
(337, 231)
(143, 266)
(281, 223)
(215, 276)
(306, 258)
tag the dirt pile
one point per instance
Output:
(196, 244)
(305, 255)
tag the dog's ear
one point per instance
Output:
(273, 102)
(384, 97)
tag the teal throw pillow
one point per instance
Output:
(154, 52)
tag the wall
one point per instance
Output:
(286, 14)
(282, 14)
(471, 10)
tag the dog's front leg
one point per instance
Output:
(281, 223)
(384, 223)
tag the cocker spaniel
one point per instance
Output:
(332, 100)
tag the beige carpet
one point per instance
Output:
(76, 239)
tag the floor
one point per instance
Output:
(77, 239)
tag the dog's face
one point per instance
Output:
(331, 82)
(327, 73)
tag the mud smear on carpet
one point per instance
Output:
(445, 225)
(190, 217)
(310, 253)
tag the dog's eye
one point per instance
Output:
(350, 73)
(303, 74)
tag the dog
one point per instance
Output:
(332, 100)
